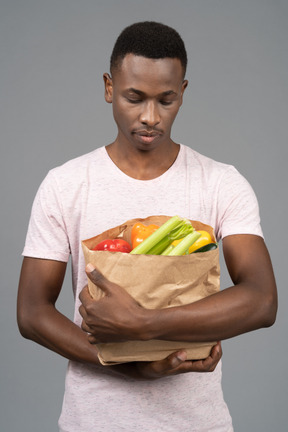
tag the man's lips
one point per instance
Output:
(146, 136)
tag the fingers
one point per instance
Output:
(215, 355)
(98, 279)
(170, 363)
(85, 299)
(209, 364)
(216, 351)
(177, 363)
(174, 360)
(84, 295)
(161, 368)
(84, 326)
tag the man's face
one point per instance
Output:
(146, 95)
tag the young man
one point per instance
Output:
(142, 173)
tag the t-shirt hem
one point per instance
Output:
(55, 256)
(227, 233)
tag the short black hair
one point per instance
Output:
(151, 40)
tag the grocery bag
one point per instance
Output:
(155, 282)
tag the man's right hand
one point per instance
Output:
(174, 364)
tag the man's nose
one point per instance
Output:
(150, 114)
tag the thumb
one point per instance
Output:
(174, 360)
(177, 358)
(97, 278)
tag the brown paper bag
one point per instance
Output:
(155, 282)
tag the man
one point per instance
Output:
(143, 172)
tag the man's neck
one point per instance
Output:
(143, 165)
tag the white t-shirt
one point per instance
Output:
(89, 195)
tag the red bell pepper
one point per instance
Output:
(114, 245)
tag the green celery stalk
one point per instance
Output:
(168, 249)
(176, 234)
(158, 235)
(158, 248)
(182, 247)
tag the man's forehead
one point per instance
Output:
(141, 68)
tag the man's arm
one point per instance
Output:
(39, 320)
(248, 305)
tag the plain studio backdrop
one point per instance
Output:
(53, 55)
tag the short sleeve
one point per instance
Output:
(237, 206)
(47, 235)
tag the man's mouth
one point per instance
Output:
(146, 136)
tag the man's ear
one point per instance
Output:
(184, 86)
(108, 87)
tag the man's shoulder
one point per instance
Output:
(73, 174)
(206, 163)
(77, 167)
(80, 162)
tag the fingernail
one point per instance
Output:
(90, 268)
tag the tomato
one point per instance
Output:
(113, 245)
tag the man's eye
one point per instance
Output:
(163, 102)
(133, 101)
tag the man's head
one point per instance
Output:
(151, 40)
(146, 85)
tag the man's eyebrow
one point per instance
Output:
(169, 92)
(140, 93)
(132, 90)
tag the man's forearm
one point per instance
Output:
(231, 312)
(56, 332)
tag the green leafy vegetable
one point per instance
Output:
(173, 229)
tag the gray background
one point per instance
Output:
(53, 54)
